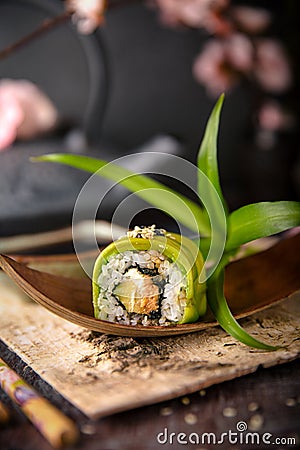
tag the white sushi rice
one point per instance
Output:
(173, 300)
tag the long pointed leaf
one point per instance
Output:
(221, 311)
(207, 156)
(260, 220)
(169, 201)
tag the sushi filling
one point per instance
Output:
(141, 288)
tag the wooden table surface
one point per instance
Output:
(268, 401)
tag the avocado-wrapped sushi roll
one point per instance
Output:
(149, 277)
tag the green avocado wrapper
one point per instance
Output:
(173, 247)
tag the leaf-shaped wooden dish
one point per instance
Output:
(251, 284)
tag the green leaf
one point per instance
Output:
(176, 205)
(246, 224)
(260, 220)
(209, 189)
(207, 156)
(221, 311)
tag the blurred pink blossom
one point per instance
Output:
(251, 20)
(271, 116)
(239, 52)
(11, 117)
(25, 112)
(272, 69)
(219, 64)
(210, 68)
(235, 52)
(195, 13)
(87, 14)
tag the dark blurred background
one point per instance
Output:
(133, 82)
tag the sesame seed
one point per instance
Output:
(253, 406)
(229, 412)
(290, 402)
(202, 393)
(166, 411)
(185, 401)
(190, 419)
(256, 422)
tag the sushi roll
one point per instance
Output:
(149, 277)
